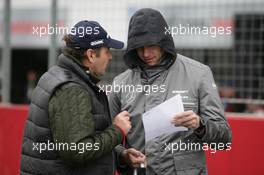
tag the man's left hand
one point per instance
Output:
(187, 119)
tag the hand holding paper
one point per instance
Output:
(188, 119)
(157, 121)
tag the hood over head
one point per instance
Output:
(147, 27)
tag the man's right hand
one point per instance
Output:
(122, 121)
(133, 157)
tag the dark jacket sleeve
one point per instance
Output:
(217, 130)
(115, 108)
(72, 123)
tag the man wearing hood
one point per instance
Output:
(153, 61)
(69, 128)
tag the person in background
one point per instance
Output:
(31, 84)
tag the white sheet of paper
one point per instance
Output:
(157, 121)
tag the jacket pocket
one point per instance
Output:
(190, 163)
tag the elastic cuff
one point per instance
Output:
(200, 131)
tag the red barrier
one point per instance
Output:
(245, 157)
(11, 128)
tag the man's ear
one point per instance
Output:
(90, 55)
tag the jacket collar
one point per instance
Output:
(72, 64)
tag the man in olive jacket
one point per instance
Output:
(69, 129)
(161, 73)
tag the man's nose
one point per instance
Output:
(146, 52)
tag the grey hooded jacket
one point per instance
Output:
(191, 79)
